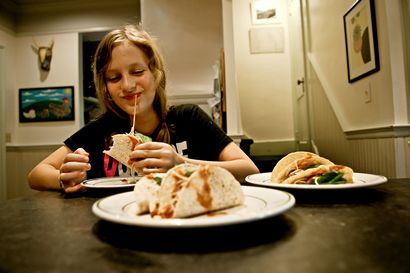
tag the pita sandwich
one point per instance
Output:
(123, 145)
(309, 168)
(188, 190)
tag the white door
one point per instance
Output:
(300, 97)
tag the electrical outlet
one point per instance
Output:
(367, 93)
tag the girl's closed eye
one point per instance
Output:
(138, 71)
(112, 78)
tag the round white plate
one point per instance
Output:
(259, 203)
(111, 182)
(359, 180)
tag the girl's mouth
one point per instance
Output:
(132, 96)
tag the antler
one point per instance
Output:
(34, 44)
(51, 43)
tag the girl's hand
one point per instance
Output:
(154, 157)
(73, 170)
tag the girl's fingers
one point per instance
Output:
(76, 157)
(81, 151)
(74, 166)
(72, 178)
(75, 188)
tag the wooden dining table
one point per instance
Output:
(350, 230)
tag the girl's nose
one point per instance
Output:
(129, 84)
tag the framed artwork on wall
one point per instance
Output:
(265, 11)
(361, 40)
(46, 104)
(266, 39)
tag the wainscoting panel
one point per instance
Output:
(368, 155)
(19, 162)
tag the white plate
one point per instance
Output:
(259, 203)
(111, 182)
(359, 180)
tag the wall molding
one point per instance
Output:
(195, 98)
(393, 131)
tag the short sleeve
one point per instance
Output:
(205, 139)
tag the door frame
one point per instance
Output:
(299, 76)
(3, 184)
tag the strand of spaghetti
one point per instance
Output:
(133, 119)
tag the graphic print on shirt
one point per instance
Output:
(112, 167)
(182, 148)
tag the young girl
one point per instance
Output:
(129, 77)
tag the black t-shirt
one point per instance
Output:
(193, 134)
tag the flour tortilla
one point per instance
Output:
(188, 190)
(145, 192)
(308, 176)
(295, 161)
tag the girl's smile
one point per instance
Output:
(131, 97)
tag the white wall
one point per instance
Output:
(328, 56)
(263, 81)
(190, 36)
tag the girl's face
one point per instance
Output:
(127, 77)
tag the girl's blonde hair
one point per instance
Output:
(140, 38)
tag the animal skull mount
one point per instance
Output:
(44, 54)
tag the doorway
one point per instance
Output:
(88, 44)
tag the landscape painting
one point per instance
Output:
(46, 104)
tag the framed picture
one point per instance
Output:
(268, 39)
(361, 40)
(46, 104)
(265, 11)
